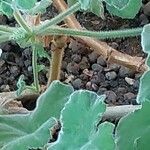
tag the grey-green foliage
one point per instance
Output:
(121, 8)
(79, 120)
(21, 132)
(30, 6)
(144, 89)
(133, 131)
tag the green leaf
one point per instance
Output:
(96, 7)
(21, 85)
(145, 41)
(84, 4)
(40, 7)
(124, 8)
(21, 132)
(41, 52)
(40, 67)
(144, 89)
(26, 4)
(5, 7)
(79, 119)
(102, 139)
(132, 130)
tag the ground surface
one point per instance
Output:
(81, 67)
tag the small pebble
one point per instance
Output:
(73, 68)
(110, 97)
(101, 61)
(111, 75)
(146, 9)
(97, 67)
(125, 72)
(76, 58)
(77, 83)
(129, 96)
(129, 81)
(101, 91)
(93, 57)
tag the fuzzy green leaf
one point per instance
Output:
(133, 131)
(146, 38)
(79, 119)
(26, 4)
(124, 8)
(41, 52)
(40, 7)
(21, 132)
(102, 139)
(5, 7)
(144, 89)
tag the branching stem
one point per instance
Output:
(57, 19)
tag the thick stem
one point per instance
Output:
(99, 35)
(58, 18)
(54, 73)
(21, 21)
(35, 68)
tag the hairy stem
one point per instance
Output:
(94, 34)
(54, 73)
(6, 29)
(4, 38)
(35, 69)
(21, 21)
(58, 19)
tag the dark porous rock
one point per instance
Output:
(112, 67)
(84, 77)
(27, 63)
(95, 79)
(101, 77)
(93, 57)
(73, 68)
(111, 97)
(122, 90)
(146, 9)
(111, 75)
(101, 91)
(77, 83)
(64, 65)
(91, 86)
(62, 75)
(125, 72)
(97, 67)
(30, 68)
(15, 70)
(2, 62)
(114, 83)
(101, 61)
(129, 96)
(27, 53)
(114, 45)
(3, 20)
(5, 88)
(84, 64)
(76, 58)
(144, 19)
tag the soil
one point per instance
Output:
(81, 67)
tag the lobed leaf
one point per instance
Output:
(33, 130)
(133, 131)
(79, 119)
(145, 38)
(124, 8)
(144, 88)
